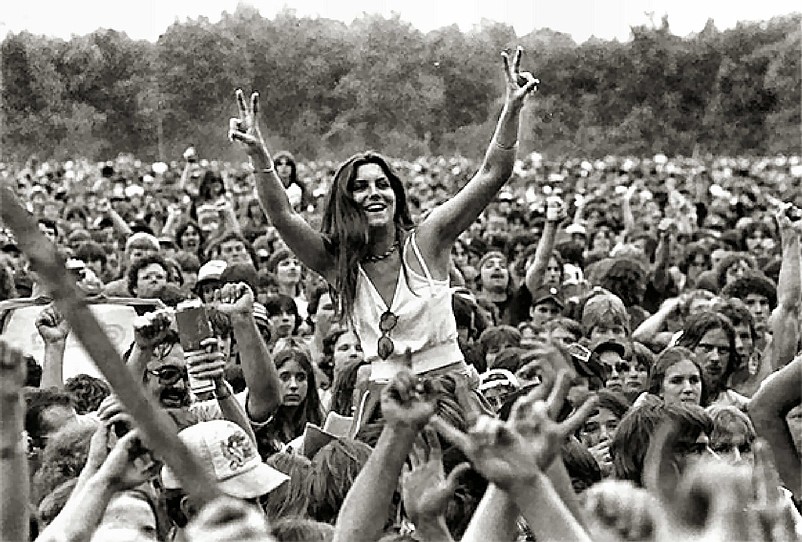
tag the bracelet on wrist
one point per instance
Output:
(504, 147)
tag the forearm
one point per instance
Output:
(789, 283)
(82, 513)
(495, 518)
(185, 175)
(627, 216)
(546, 514)
(138, 361)
(53, 365)
(13, 469)
(170, 225)
(653, 325)
(500, 155)
(367, 503)
(662, 279)
(561, 482)
(270, 189)
(231, 409)
(119, 224)
(768, 409)
(258, 369)
(545, 247)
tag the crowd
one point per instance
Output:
(627, 333)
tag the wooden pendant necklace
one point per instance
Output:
(377, 258)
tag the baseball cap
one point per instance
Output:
(576, 228)
(211, 270)
(548, 293)
(230, 456)
(495, 378)
(610, 345)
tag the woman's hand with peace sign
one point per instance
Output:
(519, 84)
(245, 129)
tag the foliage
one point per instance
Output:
(329, 89)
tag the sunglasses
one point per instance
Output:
(169, 374)
(387, 323)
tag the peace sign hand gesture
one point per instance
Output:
(519, 84)
(511, 454)
(245, 128)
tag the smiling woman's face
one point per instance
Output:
(373, 193)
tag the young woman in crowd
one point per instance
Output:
(300, 402)
(391, 279)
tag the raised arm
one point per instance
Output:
(260, 373)
(406, 409)
(651, 328)
(661, 277)
(305, 242)
(13, 462)
(768, 409)
(626, 211)
(54, 331)
(442, 227)
(126, 466)
(545, 247)
(785, 320)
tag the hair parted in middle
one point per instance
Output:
(345, 226)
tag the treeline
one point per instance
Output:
(328, 88)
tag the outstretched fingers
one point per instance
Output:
(529, 82)
(516, 64)
(574, 422)
(452, 434)
(255, 103)
(508, 73)
(452, 480)
(241, 105)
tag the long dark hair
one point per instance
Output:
(667, 359)
(697, 326)
(291, 422)
(345, 226)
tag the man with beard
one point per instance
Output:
(157, 356)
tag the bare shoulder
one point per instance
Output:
(434, 253)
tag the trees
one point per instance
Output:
(329, 88)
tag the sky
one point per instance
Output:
(606, 19)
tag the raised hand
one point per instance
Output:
(234, 299)
(151, 328)
(207, 364)
(712, 500)
(601, 453)
(128, 463)
(52, 326)
(513, 453)
(519, 84)
(245, 128)
(408, 401)
(622, 508)
(424, 486)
